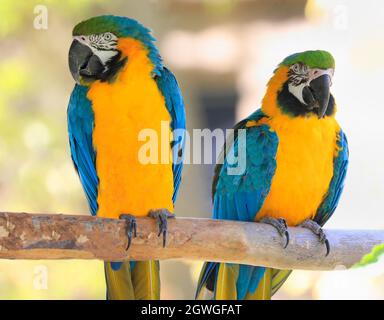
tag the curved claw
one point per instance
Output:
(280, 225)
(163, 227)
(162, 217)
(327, 246)
(318, 231)
(131, 228)
(286, 234)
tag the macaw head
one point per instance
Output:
(301, 85)
(103, 45)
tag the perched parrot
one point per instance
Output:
(296, 161)
(122, 88)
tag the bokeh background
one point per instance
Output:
(222, 52)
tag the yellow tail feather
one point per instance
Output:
(225, 286)
(146, 280)
(226, 282)
(278, 279)
(143, 283)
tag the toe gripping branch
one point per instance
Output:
(318, 231)
(130, 227)
(280, 225)
(162, 216)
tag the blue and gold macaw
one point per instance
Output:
(123, 88)
(296, 161)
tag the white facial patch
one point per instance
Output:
(301, 76)
(103, 45)
(297, 91)
(105, 56)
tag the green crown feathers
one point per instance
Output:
(313, 59)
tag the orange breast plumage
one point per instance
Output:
(304, 167)
(121, 110)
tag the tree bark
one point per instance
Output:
(57, 236)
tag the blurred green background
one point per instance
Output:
(222, 52)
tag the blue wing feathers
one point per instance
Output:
(340, 166)
(169, 88)
(248, 191)
(248, 280)
(240, 197)
(80, 128)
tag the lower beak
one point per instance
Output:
(320, 88)
(83, 63)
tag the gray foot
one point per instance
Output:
(280, 225)
(317, 230)
(130, 227)
(162, 216)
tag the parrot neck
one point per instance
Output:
(139, 56)
(269, 103)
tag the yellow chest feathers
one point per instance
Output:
(304, 167)
(121, 110)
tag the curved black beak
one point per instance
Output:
(320, 88)
(83, 64)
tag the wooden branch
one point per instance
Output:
(57, 236)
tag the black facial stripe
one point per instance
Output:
(298, 74)
(103, 42)
(106, 49)
(112, 67)
(103, 47)
(297, 78)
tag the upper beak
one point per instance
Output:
(82, 62)
(320, 88)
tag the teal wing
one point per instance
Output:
(80, 128)
(240, 196)
(340, 166)
(169, 88)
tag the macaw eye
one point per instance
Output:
(296, 68)
(107, 36)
